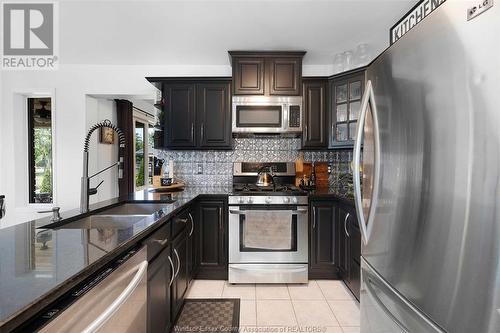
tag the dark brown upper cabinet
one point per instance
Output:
(180, 115)
(346, 91)
(267, 72)
(314, 101)
(248, 76)
(284, 76)
(214, 114)
(197, 112)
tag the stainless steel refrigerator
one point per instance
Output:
(427, 178)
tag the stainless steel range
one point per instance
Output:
(268, 240)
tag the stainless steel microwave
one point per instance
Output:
(267, 114)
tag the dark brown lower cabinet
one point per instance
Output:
(322, 240)
(191, 246)
(334, 243)
(181, 280)
(159, 274)
(349, 248)
(211, 239)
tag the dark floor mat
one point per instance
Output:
(209, 315)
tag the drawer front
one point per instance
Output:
(180, 223)
(158, 241)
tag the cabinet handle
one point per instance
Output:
(202, 130)
(314, 218)
(181, 220)
(192, 131)
(333, 134)
(173, 271)
(162, 242)
(220, 220)
(305, 132)
(178, 261)
(192, 224)
(345, 224)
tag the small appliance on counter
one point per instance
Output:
(163, 178)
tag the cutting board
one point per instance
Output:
(321, 169)
(177, 186)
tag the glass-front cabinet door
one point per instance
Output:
(346, 92)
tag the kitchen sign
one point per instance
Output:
(413, 17)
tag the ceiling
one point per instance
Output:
(201, 32)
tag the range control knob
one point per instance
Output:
(249, 200)
(241, 200)
(268, 200)
(286, 200)
(294, 200)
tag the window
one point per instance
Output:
(40, 150)
(140, 149)
(144, 158)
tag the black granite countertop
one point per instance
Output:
(37, 264)
(331, 192)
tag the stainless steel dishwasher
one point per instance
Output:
(115, 303)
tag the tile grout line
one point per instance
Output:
(256, 325)
(334, 315)
(293, 306)
(329, 306)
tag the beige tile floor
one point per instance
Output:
(319, 306)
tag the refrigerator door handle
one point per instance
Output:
(405, 315)
(369, 282)
(366, 225)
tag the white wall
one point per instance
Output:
(102, 155)
(74, 111)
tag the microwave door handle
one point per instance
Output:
(286, 116)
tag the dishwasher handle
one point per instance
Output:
(118, 302)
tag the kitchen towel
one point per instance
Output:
(271, 230)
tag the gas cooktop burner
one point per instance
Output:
(278, 189)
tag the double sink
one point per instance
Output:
(117, 217)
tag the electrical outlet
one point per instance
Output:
(200, 168)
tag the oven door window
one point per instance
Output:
(259, 116)
(268, 230)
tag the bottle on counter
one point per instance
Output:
(312, 179)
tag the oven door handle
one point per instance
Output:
(243, 212)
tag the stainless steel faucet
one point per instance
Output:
(2, 206)
(86, 190)
(56, 217)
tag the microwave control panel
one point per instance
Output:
(294, 120)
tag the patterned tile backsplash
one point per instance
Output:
(217, 165)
